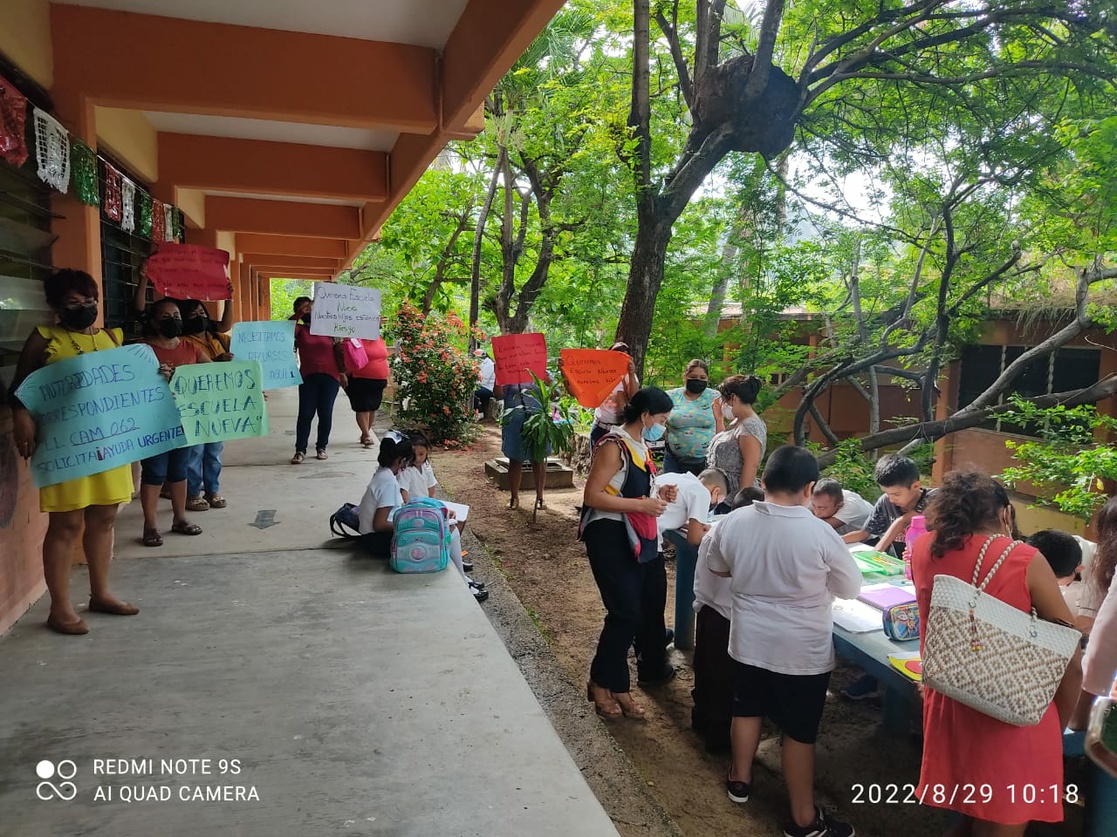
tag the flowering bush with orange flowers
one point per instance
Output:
(435, 378)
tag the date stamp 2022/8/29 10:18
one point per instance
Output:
(941, 795)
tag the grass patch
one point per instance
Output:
(539, 626)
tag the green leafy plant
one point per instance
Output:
(435, 378)
(1067, 461)
(551, 428)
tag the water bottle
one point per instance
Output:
(918, 527)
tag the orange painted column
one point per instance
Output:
(79, 231)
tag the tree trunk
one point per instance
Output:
(645, 275)
(478, 237)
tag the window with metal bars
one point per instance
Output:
(122, 256)
(25, 238)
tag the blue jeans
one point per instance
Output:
(686, 558)
(203, 471)
(317, 394)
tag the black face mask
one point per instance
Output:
(696, 386)
(195, 325)
(78, 319)
(169, 327)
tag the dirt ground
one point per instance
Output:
(546, 568)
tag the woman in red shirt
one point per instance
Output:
(366, 386)
(162, 331)
(321, 380)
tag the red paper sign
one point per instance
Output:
(187, 271)
(592, 374)
(518, 355)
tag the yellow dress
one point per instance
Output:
(107, 488)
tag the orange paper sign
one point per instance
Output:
(592, 374)
(187, 271)
(518, 355)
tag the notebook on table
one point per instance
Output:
(884, 596)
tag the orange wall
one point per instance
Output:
(25, 38)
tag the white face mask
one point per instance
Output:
(727, 412)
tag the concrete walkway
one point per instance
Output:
(330, 695)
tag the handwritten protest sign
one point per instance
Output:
(98, 411)
(518, 355)
(187, 271)
(220, 401)
(345, 311)
(592, 374)
(272, 345)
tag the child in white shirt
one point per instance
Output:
(786, 566)
(418, 480)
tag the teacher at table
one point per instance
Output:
(83, 508)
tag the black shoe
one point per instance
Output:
(823, 826)
(476, 585)
(480, 595)
(467, 566)
(738, 791)
(668, 637)
(665, 675)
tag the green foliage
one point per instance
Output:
(1067, 461)
(551, 428)
(435, 378)
(284, 292)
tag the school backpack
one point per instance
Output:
(421, 543)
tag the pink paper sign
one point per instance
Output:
(187, 271)
(518, 355)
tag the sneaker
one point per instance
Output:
(865, 687)
(738, 791)
(467, 566)
(479, 595)
(823, 826)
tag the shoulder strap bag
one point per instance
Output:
(989, 655)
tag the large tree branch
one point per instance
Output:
(672, 35)
(931, 431)
(762, 62)
(639, 115)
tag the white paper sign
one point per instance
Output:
(345, 311)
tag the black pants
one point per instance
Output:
(712, 714)
(317, 393)
(634, 596)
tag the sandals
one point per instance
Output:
(113, 608)
(514, 503)
(216, 501)
(629, 707)
(152, 538)
(321, 454)
(298, 458)
(607, 709)
(68, 628)
(185, 527)
(197, 504)
(366, 441)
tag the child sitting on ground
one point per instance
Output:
(712, 694)
(1065, 557)
(786, 566)
(418, 480)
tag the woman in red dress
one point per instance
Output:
(999, 776)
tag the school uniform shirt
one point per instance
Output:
(692, 502)
(382, 492)
(885, 512)
(854, 512)
(1072, 594)
(711, 590)
(786, 566)
(417, 481)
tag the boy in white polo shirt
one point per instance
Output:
(786, 566)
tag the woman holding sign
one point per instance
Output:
(322, 378)
(83, 509)
(203, 473)
(162, 331)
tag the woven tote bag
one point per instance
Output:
(989, 655)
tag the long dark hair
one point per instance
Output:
(392, 449)
(966, 502)
(1105, 559)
